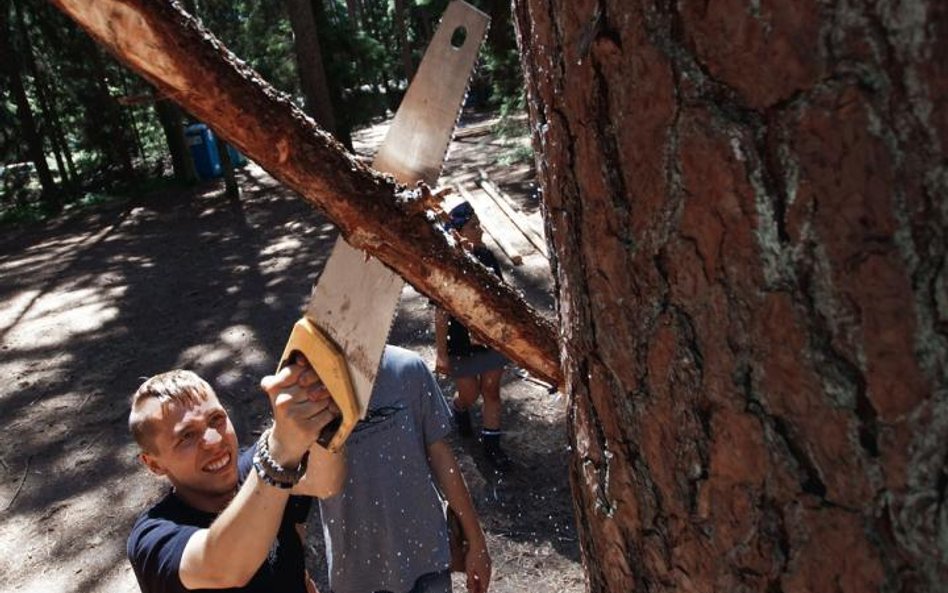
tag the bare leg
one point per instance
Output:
(467, 395)
(490, 433)
(490, 389)
(468, 390)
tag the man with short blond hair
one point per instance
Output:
(230, 519)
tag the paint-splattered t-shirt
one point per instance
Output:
(387, 526)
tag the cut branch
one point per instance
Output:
(191, 67)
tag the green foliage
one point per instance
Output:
(257, 32)
(112, 147)
(362, 62)
(502, 69)
(25, 213)
(34, 210)
(9, 142)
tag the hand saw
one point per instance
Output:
(345, 327)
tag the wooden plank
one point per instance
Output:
(495, 192)
(489, 217)
(517, 218)
(480, 129)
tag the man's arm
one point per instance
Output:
(442, 363)
(231, 550)
(451, 483)
(325, 473)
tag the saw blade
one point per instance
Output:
(355, 298)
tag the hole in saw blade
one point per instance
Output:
(458, 38)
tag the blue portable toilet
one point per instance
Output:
(203, 145)
(236, 157)
(203, 150)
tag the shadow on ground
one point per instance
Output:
(174, 279)
(92, 303)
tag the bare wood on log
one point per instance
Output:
(185, 62)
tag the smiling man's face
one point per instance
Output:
(193, 443)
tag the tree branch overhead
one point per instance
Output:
(188, 65)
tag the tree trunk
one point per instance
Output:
(750, 224)
(354, 8)
(39, 85)
(116, 143)
(133, 124)
(309, 61)
(39, 70)
(31, 135)
(175, 54)
(343, 123)
(60, 135)
(172, 123)
(500, 38)
(401, 31)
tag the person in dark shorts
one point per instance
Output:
(475, 368)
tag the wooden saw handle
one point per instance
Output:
(330, 365)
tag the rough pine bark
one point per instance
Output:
(747, 203)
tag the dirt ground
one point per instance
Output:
(92, 303)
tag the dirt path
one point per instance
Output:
(187, 279)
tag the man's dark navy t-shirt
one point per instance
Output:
(159, 536)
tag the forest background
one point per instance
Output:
(77, 127)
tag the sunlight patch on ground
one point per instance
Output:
(287, 244)
(35, 257)
(279, 254)
(81, 311)
(367, 140)
(232, 345)
(16, 305)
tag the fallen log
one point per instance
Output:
(191, 67)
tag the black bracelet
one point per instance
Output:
(262, 474)
(272, 472)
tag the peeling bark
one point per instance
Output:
(746, 201)
(188, 65)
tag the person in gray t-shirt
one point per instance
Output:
(386, 529)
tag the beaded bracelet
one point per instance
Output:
(270, 471)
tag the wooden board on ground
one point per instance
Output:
(507, 236)
(513, 213)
